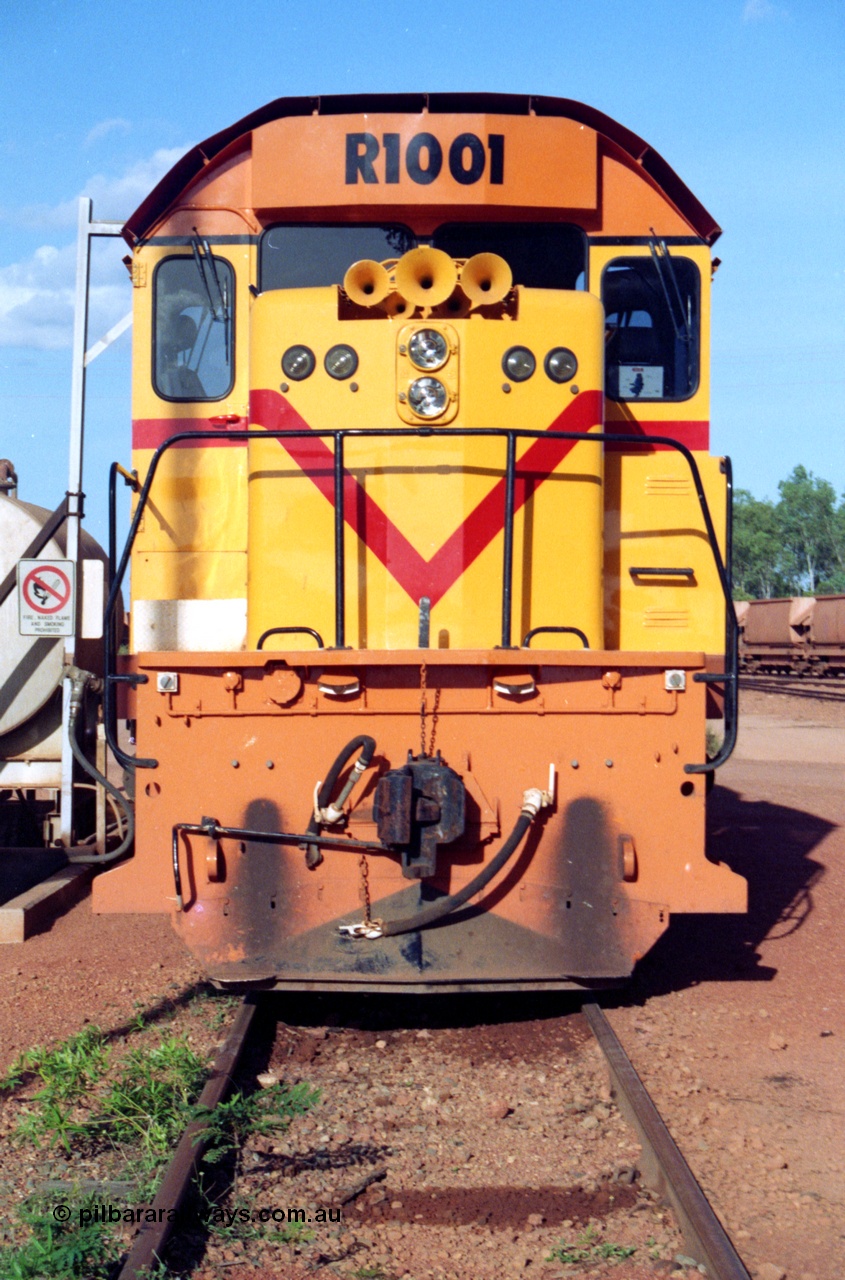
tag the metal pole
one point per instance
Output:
(86, 228)
(507, 568)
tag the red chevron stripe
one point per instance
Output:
(417, 576)
(409, 568)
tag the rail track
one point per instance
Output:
(149, 1244)
(661, 1165)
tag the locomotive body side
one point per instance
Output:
(408, 516)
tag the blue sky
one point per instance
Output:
(744, 98)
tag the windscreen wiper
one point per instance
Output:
(205, 263)
(203, 257)
(665, 269)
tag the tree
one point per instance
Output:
(756, 548)
(810, 532)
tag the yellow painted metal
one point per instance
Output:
(423, 500)
(654, 520)
(191, 544)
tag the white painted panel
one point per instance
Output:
(205, 626)
(93, 598)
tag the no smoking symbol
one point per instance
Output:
(46, 589)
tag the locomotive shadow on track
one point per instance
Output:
(770, 845)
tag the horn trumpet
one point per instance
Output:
(426, 277)
(367, 283)
(486, 278)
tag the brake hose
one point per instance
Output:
(331, 813)
(533, 801)
(80, 680)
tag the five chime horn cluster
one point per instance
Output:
(428, 278)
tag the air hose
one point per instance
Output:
(80, 681)
(533, 801)
(324, 812)
(444, 906)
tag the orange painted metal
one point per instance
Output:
(567, 908)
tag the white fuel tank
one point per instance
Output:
(31, 666)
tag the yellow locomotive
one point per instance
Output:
(429, 559)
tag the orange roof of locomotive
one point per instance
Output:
(201, 159)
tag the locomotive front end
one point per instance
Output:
(428, 559)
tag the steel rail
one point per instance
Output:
(664, 1168)
(149, 1244)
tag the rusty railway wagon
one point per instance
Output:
(429, 558)
(797, 636)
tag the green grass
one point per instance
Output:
(150, 1102)
(588, 1248)
(67, 1073)
(58, 1250)
(228, 1125)
(137, 1107)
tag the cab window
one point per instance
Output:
(652, 327)
(541, 255)
(193, 346)
(298, 257)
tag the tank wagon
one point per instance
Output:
(800, 635)
(430, 594)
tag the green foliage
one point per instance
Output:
(588, 1248)
(58, 1250)
(793, 546)
(67, 1072)
(151, 1101)
(228, 1125)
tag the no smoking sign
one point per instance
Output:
(46, 597)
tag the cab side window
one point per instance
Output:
(652, 326)
(193, 339)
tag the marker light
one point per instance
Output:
(428, 397)
(298, 362)
(428, 349)
(519, 363)
(341, 361)
(560, 364)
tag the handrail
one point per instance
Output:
(39, 542)
(510, 435)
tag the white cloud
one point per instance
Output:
(105, 127)
(115, 198)
(37, 294)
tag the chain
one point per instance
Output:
(365, 888)
(423, 698)
(434, 712)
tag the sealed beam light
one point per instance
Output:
(428, 349)
(560, 364)
(428, 397)
(341, 361)
(298, 362)
(519, 363)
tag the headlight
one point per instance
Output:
(560, 364)
(341, 361)
(519, 363)
(428, 397)
(298, 362)
(428, 349)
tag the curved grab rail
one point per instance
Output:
(510, 434)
